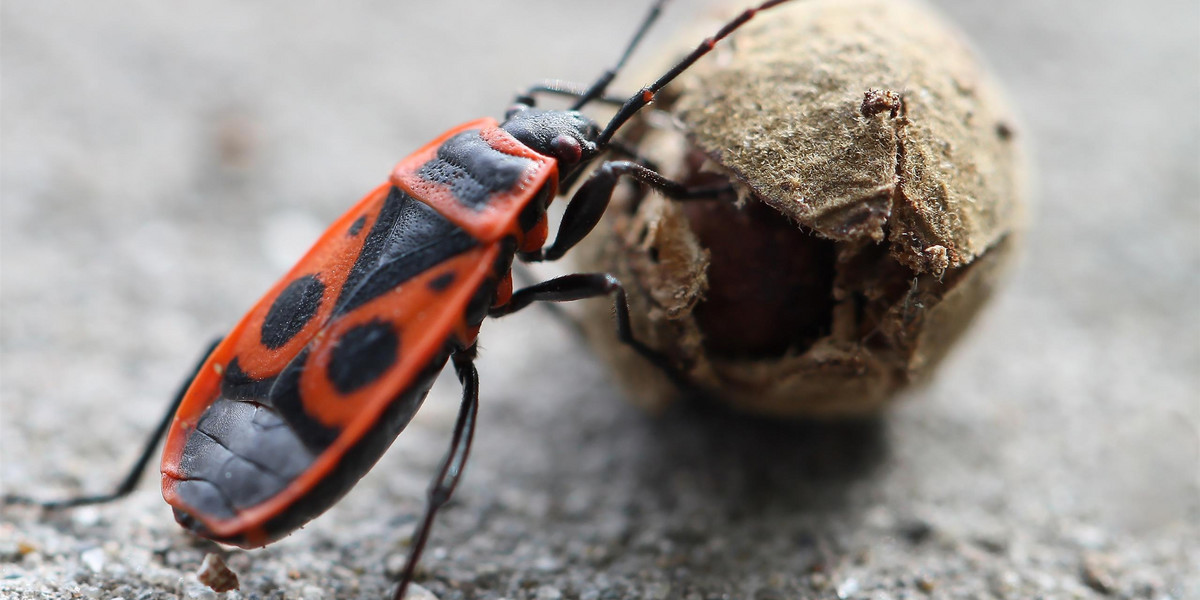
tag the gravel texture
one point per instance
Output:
(163, 162)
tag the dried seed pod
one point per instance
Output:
(879, 193)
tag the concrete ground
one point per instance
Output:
(162, 163)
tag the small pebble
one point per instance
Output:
(416, 592)
(547, 592)
(926, 584)
(818, 581)
(10, 552)
(85, 516)
(847, 588)
(216, 575)
(195, 591)
(547, 564)
(312, 592)
(658, 591)
(94, 559)
(394, 565)
(769, 594)
(1097, 574)
(1004, 584)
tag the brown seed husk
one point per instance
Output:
(879, 191)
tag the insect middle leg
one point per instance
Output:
(135, 473)
(580, 286)
(449, 474)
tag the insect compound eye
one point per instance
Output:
(567, 149)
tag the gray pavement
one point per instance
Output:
(162, 163)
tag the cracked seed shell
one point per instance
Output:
(879, 192)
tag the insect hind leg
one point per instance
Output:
(450, 473)
(134, 474)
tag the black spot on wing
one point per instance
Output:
(357, 226)
(473, 170)
(296, 305)
(408, 238)
(362, 355)
(442, 282)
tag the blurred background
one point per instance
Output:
(162, 163)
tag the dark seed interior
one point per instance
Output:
(770, 283)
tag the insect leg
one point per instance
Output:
(450, 472)
(131, 479)
(580, 286)
(568, 89)
(591, 200)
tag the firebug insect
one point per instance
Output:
(285, 413)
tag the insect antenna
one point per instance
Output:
(598, 88)
(646, 95)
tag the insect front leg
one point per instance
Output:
(448, 476)
(590, 201)
(135, 473)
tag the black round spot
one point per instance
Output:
(483, 299)
(357, 226)
(296, 305)
(362, 355)
(441, 282)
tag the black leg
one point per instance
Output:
(580, 286)
(524, 277)
(131, 479)
(568, 89)
(450, 472)
(597, 89)
(590, 201)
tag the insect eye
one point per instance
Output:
(567, 149)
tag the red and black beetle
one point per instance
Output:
(286, 412)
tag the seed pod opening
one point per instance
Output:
(876, 196)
